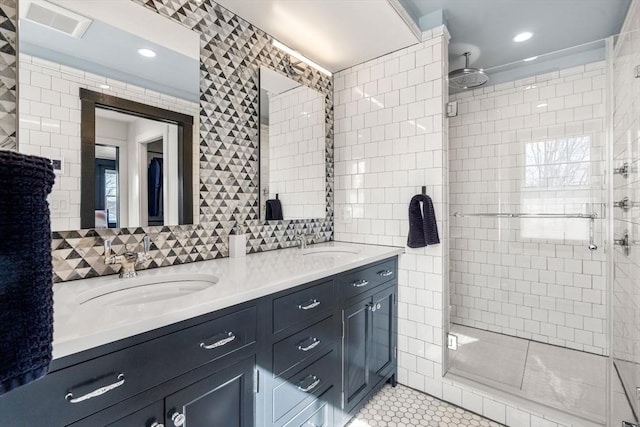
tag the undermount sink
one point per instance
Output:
(146, 289)
(330, 250)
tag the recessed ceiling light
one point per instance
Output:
(523, 37)
(148, 53)
(533, 58)
(103, 86)
(542, 105)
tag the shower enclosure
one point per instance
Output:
(543, 278)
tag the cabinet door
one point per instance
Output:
(356, 320)
(225, 399)
(383, 313)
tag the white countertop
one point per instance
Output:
(79, 327)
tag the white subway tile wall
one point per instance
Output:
(49, 102)
(534, 145)
(391, 138)
(626, 298)
(296, 152)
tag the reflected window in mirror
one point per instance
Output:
(106, 184)
(292, 148)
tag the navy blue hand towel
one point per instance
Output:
(423, 230)
(274, 210)
(26, 293)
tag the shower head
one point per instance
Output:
(467, 78)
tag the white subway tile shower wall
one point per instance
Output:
(626, 301)
(296, 152)
(50, 123)
(390, 140)
(383, 156)
(533, 145)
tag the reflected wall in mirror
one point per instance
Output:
(99, 51)
(292, 148)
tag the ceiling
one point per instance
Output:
(336, 34)
(486, 27)
(109, 46)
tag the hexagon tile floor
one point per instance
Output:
(402, 406)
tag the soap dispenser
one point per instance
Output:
(237, 242)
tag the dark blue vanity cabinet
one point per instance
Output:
(310, 355)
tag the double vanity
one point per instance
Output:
(282, 338)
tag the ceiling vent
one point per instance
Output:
(57, 18)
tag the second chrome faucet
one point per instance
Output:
(128, 260)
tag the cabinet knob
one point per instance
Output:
(156, 424)
(178, 419)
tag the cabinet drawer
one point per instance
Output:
(317, 414)
(310, 381)
(304, 345)
(88, 387)
(304, 305)
(355, 283)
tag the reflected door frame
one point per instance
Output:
(90, 100)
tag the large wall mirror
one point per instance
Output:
(115, 105)
(292, 148)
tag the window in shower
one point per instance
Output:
(557, 180)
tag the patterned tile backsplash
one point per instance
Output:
(8, 111)
(232, 51)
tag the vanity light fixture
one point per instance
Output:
(544, 104)
(299, 56)
(533, 58)
(147, 53)
(522, 37)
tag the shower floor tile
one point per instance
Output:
(566, 379)
(573, 379)
(498, 357)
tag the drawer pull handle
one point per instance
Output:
(312, 303)
(229, 337)
(360, 283)
(385, 273)
(102, 390)
(315, 381)
(314, 344)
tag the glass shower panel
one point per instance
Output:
(625, 210)
(528, 295)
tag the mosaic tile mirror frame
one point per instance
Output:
(231, 53)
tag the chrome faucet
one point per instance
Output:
(304, 239)
(128, 260)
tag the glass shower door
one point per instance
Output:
(624, 209)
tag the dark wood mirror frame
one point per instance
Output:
(90, 100)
